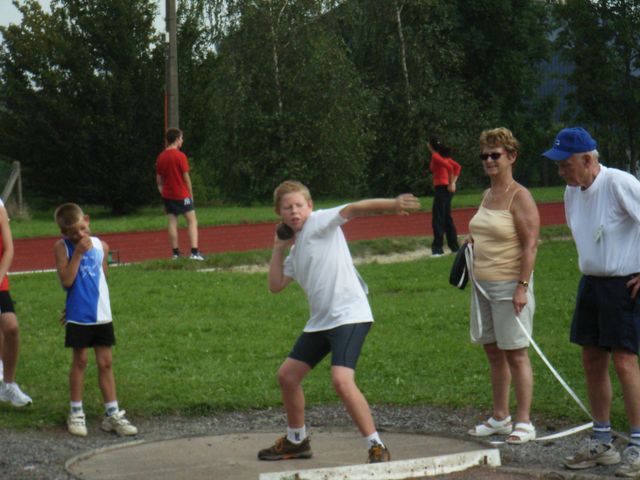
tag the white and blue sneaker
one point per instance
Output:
(10, 392)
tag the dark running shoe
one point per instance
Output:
(378, 454)
(283, 449)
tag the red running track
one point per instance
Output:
(37, 253)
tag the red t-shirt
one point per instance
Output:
(171, 165)
(441, 167)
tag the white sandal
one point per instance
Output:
(492, 427)
(522, 433)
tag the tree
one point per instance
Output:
(82, 91)
(284, 101)
(606, 73)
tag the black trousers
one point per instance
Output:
(441, 220)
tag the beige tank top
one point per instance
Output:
(496, 247)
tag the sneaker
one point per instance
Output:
(196, 256)
(119, 424)
(283, 449)
(630, 467)
(378, 454)
(175, 256)
(76, 424)
(1, 370)
(592, 454)
(437, 253)
(10, 392)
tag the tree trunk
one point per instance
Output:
(403, 56)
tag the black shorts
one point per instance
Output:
(178, 207)
(87, 336)
(606, 316)
(6, 304)
(344, 343)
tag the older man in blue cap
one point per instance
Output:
(602, 206)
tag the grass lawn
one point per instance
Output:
(153, 218)
(196, 343)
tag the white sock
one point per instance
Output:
(374, 439)
(110, 408)
(296, 435)
(76, 407)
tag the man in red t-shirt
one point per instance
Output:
(174, 184)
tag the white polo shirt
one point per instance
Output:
(605, 223)
(321, 263)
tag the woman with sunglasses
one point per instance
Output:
(504, 233)
(445, 171)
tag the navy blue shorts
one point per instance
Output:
(344, 343)
(606, 316)
(6, 304)
(88, 336)
(178, 207)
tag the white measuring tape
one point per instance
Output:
(565, 385)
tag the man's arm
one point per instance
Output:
(398, 205)
(68, 267)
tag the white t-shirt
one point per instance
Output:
(605, 223)
(321, 263)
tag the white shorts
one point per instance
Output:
(498, 316)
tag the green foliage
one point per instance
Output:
(606, 93)
(82, 96)
(283, 101)
(221, 336)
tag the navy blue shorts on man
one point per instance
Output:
(344, 342)
(606, 316)
(89, 336)
(178, 207)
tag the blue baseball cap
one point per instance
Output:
(570, 141)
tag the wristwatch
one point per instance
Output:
(524, 283)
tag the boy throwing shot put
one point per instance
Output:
(81, 261)
(340, 318)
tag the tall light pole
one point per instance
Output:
(171, 115)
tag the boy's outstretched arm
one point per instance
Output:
(277, 279)
(399, 205)
(68, 267)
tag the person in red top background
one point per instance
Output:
(10, 337)
(445, 171)
(174, 184)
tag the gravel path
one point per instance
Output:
(41, 454)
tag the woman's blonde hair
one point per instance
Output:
(499, 137)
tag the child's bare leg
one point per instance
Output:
(11, 345)
(357, 406)
(192, 225)
(173, 230)
(76, 374)
(106, 380)
(1, 345)
(290, 376)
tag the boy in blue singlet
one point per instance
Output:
(321, 263)
(81, 261)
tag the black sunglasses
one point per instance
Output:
(493, 156)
